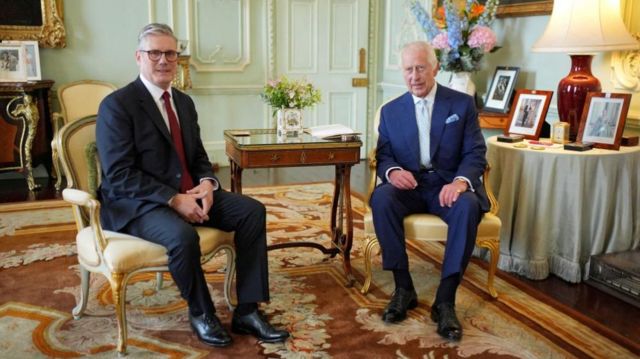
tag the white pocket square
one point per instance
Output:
(451, 119)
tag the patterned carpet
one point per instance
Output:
(39, 282)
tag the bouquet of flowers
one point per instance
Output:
(460, 36)
(285, 93)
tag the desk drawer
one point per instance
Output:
(302, 157)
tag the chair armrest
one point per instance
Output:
(84, 199)
(487, 186)
(373, 179)
(57, 121)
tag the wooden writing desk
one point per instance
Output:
(260, 148)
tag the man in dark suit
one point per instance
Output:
(431, 155)
(157, 183)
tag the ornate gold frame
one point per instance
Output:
(525, 8)
(50, 34)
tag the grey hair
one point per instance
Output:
(424, 46)
(154, 29)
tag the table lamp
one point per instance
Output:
(582, 28)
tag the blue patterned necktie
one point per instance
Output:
(424, 127)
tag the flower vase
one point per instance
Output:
(461, 81)
(289, 122)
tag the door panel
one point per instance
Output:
(321, 41)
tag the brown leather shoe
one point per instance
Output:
(401, 301)
(448, 325)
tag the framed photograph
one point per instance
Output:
(32, 57)
(603, 119)
(528, 113)
(39, 20)
(13, 65)
(499, 96)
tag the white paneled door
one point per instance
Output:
(325, 42)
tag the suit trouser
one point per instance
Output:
(229, 212)
(390, 206)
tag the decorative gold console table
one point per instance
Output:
(261, 149)
(25, 127)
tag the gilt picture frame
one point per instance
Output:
(37, 20)
(501, 89)
(603, 119)
(528, 113)
(514, 8)
(12, 63)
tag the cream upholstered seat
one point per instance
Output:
(117, 256)
(429, 227)
(77, 100)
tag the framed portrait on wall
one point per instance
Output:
(32, 58)
(501, 89)
(39, 20)
(528, 113)
(603, 119)
(12, 63)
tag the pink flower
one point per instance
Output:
(482, 36)
(440, 41)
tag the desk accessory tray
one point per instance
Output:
(577, 146)
(510, 138)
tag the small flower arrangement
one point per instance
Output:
(460, 36)
(286, 93)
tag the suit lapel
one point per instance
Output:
(441, 109)
(149, 106)
(410, 128)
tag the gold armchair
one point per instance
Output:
(117, 256)
(77, 100)
(429, 227)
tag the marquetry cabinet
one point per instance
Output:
(25, 127)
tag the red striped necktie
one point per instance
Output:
(186, 182)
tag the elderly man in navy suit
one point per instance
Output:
(157, 184)
(431, 155)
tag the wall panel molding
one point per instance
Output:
(219, 45)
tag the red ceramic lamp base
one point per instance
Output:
(572, 92)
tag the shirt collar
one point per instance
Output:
(431, 96)
(156, 92)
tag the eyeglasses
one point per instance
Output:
(156, 55)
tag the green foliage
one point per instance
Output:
(285, 93)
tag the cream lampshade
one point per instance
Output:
(582, 28)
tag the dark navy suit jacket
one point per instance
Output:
(457, 146)
(140, 166)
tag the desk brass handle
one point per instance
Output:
(274, 157)
(332, 155)
(303, 157)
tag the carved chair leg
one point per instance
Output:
(493, 245)
(55, 160)
(118, 291)
(368, 273)
(493, 265)
(230, 271)
(85, 277)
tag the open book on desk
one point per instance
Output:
(335, 132)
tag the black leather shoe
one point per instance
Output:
(448, 325)
(257, 325)
(401, 301)
(209, 330)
